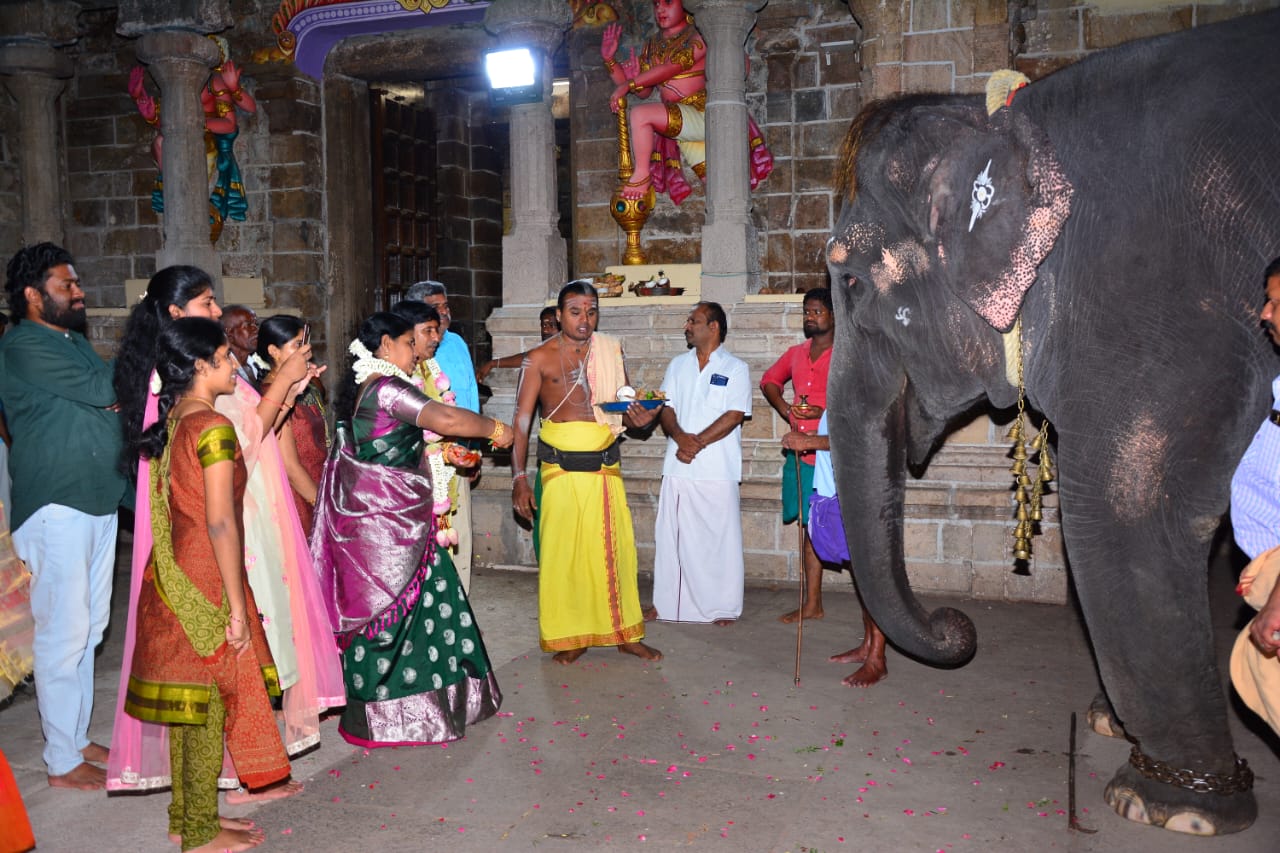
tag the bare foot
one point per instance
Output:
(231, 841)
(650, 613)
(638, 186)
(84, 777)
(869, 674)
(243, 824)
(568, 657)
(97, 753)
(723, 622)
(640, 650)
(857, 655)
(240, 796)
(794, 615)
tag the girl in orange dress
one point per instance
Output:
(201, 663)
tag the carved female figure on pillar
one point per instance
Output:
(220, 98)
(662, 132)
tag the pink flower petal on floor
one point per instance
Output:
(288, 831)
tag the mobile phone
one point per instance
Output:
(306, 334)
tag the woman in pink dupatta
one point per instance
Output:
(139, 751)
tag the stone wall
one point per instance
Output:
(10, 178)
(469, 171)
(959, 515)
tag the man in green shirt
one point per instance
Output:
(60, 408)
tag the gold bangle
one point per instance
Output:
(631, 85)
(609, 63)
(498, 431)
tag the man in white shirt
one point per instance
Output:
(697, 563)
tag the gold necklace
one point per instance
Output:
(198, 400)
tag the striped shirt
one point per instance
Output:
(1255, 489)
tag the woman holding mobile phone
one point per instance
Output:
(304, 436)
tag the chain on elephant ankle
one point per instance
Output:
(1239, 782)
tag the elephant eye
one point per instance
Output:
(850, 280)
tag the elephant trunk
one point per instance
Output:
(869, 454)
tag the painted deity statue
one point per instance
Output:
(672, 129)
(220, 98)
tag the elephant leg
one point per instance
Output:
(1142, 584)
(1102, 717)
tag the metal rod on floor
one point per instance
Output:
(1073, 820)
(804, 574)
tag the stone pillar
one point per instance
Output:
(180, 62)
(171, 42)
(534, 256)
(35, 73)
(730, 249)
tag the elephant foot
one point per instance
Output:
(1102, 718)
(1144, 800)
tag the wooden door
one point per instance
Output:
(404, 192)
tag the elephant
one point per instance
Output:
(1123, 209)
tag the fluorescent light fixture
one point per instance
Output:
(513, 76)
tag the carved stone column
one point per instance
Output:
(171, 43)
(35, 72)
(534, 255)
(730, 249)
(180, 62)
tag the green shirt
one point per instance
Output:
(66, 441)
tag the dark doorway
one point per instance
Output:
(404, 193)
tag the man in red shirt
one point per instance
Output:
(805, 367)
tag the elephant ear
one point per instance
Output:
(998, 200)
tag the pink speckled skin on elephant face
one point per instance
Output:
(1120, 212)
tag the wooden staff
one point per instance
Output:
(804, 575)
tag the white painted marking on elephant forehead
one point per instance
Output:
(903, 315)
(983, 192)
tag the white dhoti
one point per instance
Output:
(697, 560)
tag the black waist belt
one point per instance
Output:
(580, 461)
(1274, 417)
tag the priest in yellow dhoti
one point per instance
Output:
(588, 594)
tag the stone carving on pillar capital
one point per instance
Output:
(30, 59)
(539, 23)
(139, 17)
(592, 13)
(40, 20)
(710, 7)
